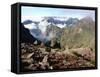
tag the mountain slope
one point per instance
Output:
(25, 35)
(81, 34)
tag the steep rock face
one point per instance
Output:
(25, 35)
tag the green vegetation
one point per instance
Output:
(79, 35)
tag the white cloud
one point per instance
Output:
(61, 18)
(30, 26)
(61, 25)
(43, 25)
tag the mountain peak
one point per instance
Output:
(87, 19)
(27, 22)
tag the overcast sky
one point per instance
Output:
(35, 13)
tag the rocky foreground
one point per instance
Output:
(37, 57)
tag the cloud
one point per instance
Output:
(30, 26)
(43, 25)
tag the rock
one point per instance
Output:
(35, 57)
(29, 60)
(27, 55)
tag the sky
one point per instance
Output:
(36, 13)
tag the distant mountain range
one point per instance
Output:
(53, 20)
(70, 31)
(38, 29)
